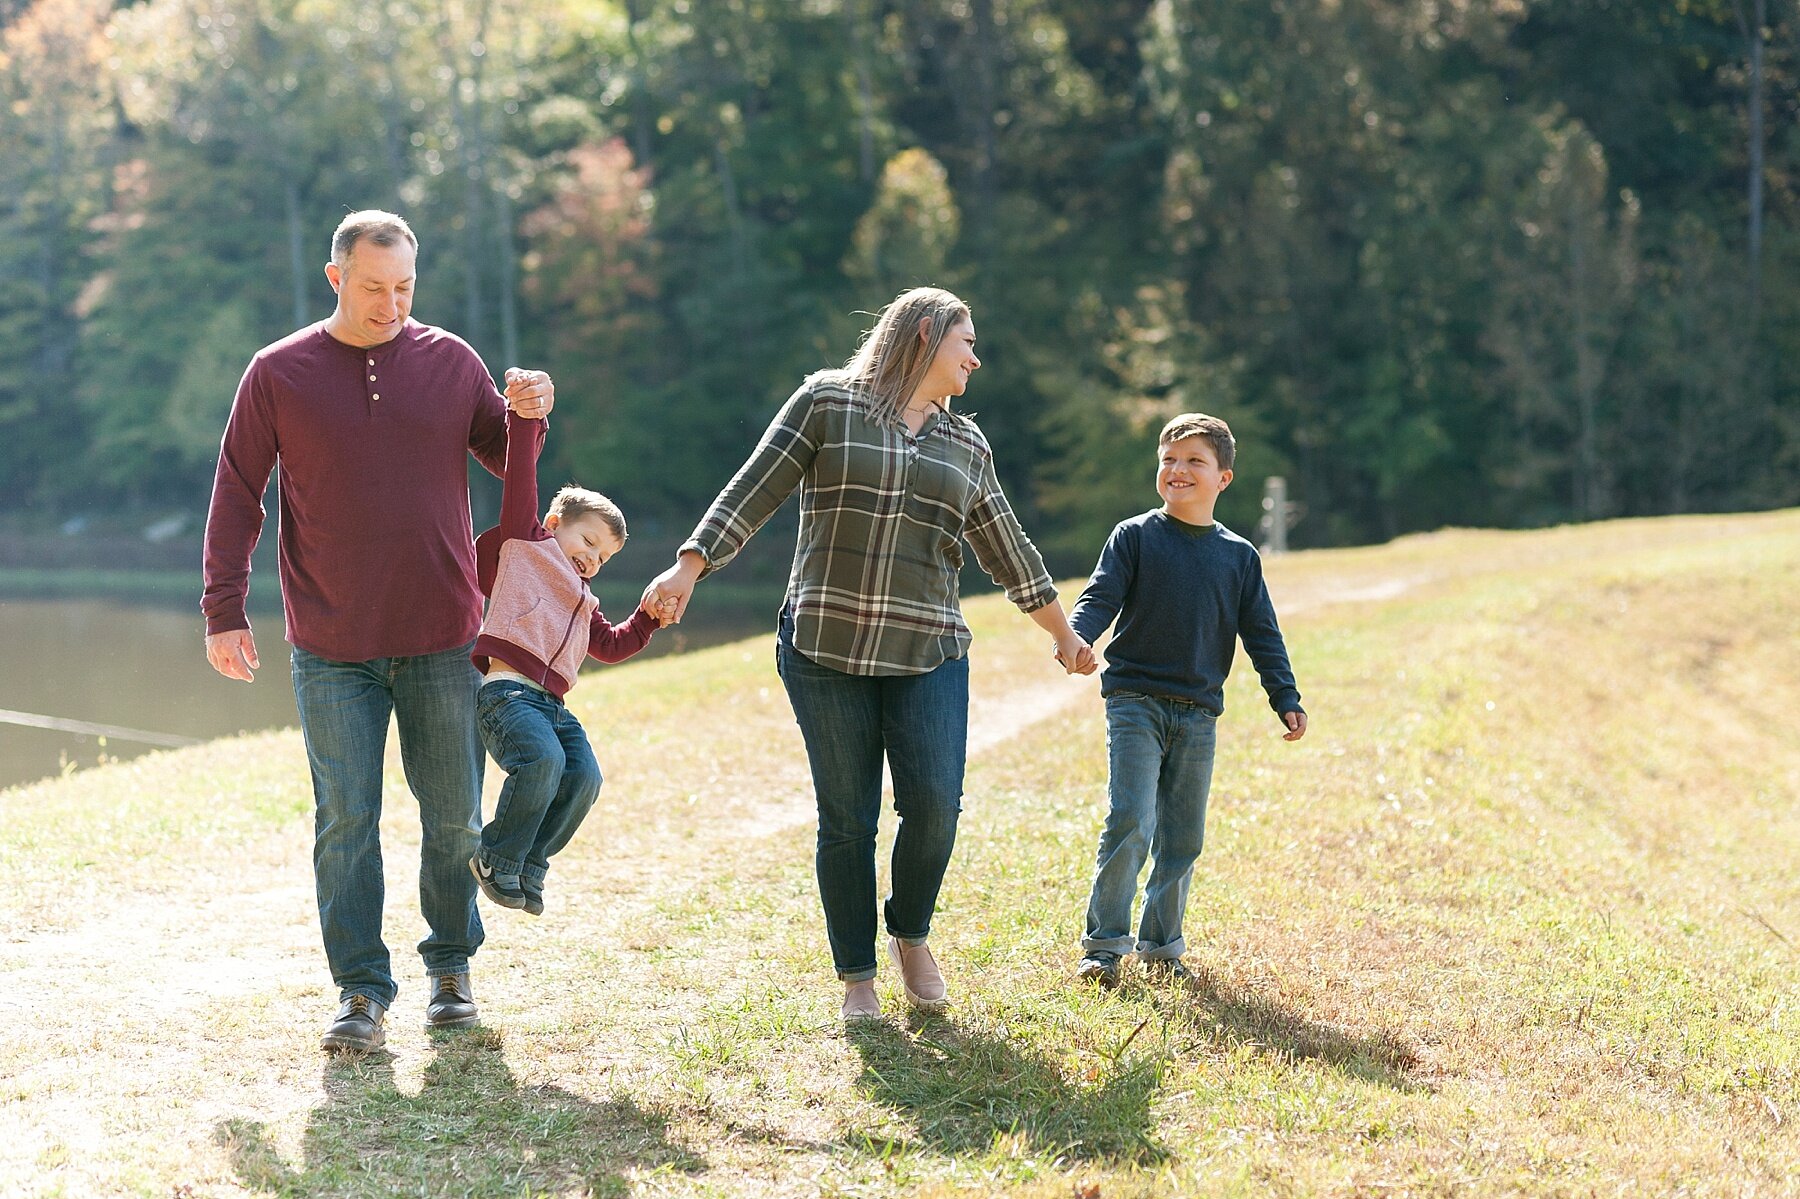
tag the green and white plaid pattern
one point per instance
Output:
(874, 581)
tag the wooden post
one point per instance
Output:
(1275, 518)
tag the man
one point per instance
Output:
(369, 416)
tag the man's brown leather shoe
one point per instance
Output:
(452, 1003)
(358, 1028)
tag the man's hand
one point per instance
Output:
(233, 654)
(1296, 725)
(531, 394)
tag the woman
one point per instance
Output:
(872, 646)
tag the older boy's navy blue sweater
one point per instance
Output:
(1183, 596)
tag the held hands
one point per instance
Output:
(233, 654)
(1296, 725)
(667, 596)
(1075, 655)
(662, 611)
(531, 394)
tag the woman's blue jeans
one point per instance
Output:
(1159, 758)
(920, 723)
(344, 710)
(552, 779)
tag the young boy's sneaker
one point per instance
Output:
(1168, 971)
(1099, 967)
(534, 902)
(503, 889)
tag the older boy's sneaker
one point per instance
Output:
(1099, 967)
(920, 980)
(1167, 971)
(359, 1027)
(503, 889)
(452, 1002)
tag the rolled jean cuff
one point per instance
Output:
(862, 975)
(446, 971)
(909, 942)
(1161, 953)
(1118, 945)
(533, 875)
(502, 867)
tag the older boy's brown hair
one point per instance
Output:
(1198, 424)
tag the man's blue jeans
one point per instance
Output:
(920, 722)
(552, 779)
(344, 709)
(1159, 757)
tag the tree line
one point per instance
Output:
(1496, 262)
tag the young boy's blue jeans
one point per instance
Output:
(551, 783)
(344, 710)
(1159, 755)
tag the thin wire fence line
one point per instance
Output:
(88, 728)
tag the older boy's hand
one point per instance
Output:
(1296, 725)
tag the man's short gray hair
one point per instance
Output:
(380, 228)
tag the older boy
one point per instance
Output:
(1184, 590)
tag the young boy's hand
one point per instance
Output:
(661, 611)
(1296, 725)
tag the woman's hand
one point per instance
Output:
(666, 598)
(1075, 655)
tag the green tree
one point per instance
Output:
(55, 130)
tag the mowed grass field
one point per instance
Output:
(1520, 916)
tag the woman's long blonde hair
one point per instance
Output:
(891, 362)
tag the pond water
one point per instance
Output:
(142, 669)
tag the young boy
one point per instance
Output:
(1184, 589)
(541, 622)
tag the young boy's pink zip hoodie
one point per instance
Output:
(541, 618)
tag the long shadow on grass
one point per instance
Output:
(1218, 1008)
(471, 1130)
(962, 1087)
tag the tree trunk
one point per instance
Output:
(508, 255)
(984, 102)
(1753, 39)
(856, 12)
(1588, 367)
(290, 194)
(640, 104)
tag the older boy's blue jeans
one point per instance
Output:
(551, 783)
(1159, 755)
(344, 710)
(921, 723)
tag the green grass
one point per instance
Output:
(1518, 916)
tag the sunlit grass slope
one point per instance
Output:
(1521, 915)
